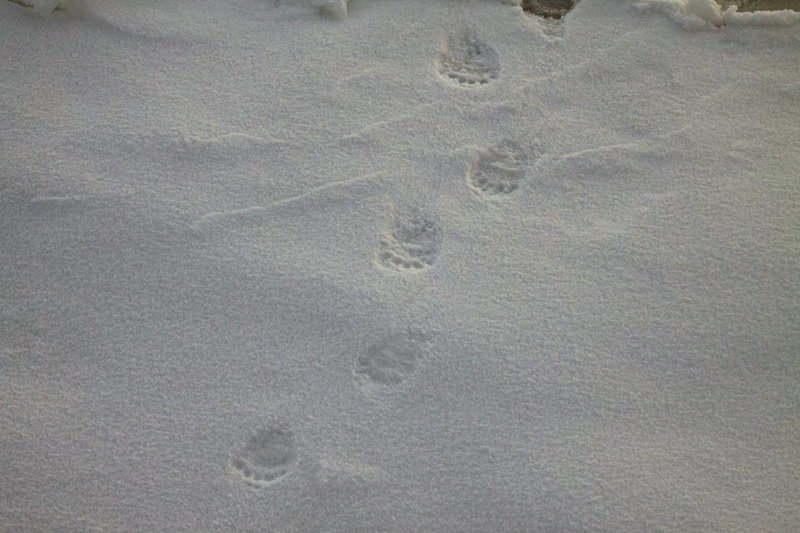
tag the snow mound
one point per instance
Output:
(707, 14)
(784, 17)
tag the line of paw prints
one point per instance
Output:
(412, 243)
(270, 454)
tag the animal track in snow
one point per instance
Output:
(334, 9)
(548, 15)
(497, 170)
(267, 457)
(468, 60)
(390, 360)
(411, 244)
(549, 9)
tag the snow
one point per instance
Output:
(46, 6)
(433, 266)
(783, 17)
(706, 14)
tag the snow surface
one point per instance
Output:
(435, 266)
(706, 14)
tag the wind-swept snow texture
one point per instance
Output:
(417, 265)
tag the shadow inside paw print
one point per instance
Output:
(549, 9)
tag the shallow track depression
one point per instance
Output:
(391, 266)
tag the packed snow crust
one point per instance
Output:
(434, 265)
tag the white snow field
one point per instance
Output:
(398, 266)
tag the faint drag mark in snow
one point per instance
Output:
(707, 14)
(338, 466)
(390, 360)
(412, 243)
(182, 146)
(227, 141)
(650, 145)
(174, 150)
(468, 60)
(267, 457)
(597, 149)
(498, 170)
(385, 123)
(255, 216)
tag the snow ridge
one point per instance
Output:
(707, 14)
